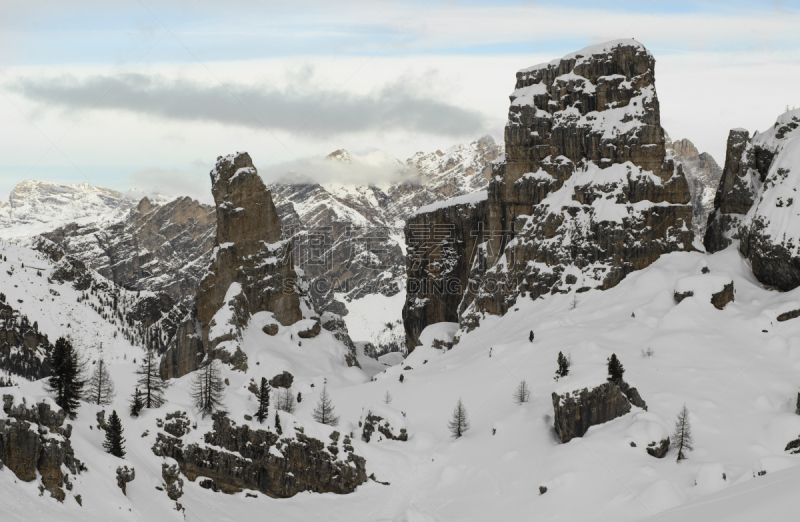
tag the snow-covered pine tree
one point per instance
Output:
(114, 443)
(563, 366)
(136, 403)
(459, 423)
(285, 401)
(67, 379)
(100, 388)
(324, 411)
(522, 393)
(263, 400)
(682, 436)
(208, 388)
(149, 381)
(615, 369)
(278, 428)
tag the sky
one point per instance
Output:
(147, 94)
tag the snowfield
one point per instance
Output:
(736, 369)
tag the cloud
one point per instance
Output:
(193, 182)
(377, 168)
(314, 111)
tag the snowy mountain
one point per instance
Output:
(35, 207)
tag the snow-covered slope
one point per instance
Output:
(735, 369)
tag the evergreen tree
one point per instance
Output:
(324, 412)
(67, 380)
(530, 336)
(615, 369)
(522, 393)
(285, 401)
(460, 421)
(278, 428)
(263, 400)
(149, 381)
(100, 388)
(682, 437)
(402, 378)
(114, 442)
(563, 366)
(299, 397)
(136, 403)
(208, 388)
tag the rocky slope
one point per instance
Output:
(156, 247)
(702, 173)
(584, 195)
(755, 201)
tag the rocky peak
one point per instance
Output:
(584, 195)
(340, 155)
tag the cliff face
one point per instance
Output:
(584, 195)
(34, 442)
(251, 271)
(236, 458)
(162, 248)
(24, 351)
(755, 201)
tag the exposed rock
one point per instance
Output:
(633, 395)
(235, 458)
(754, 202)
(172, 478)
(33, 439)
(658, 449)
(311, 332)
(271, 329)
(125, 475)
(24, 351)
(792, 314)
(720, 299)
(282, 380)
(585, 185)
(575, 413)
(385, 421)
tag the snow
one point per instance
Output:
(467, 199)
(588, 52)
(738, 382)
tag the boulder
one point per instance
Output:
(380, 421)
(172, 478)
(658, 449)
(310, 332)
(125, 475)
(282, 380)
(575, 413)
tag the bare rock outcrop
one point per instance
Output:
(24, 350)
(34, 439)
(584, 195)
(234, 458)
(702, 174)
(755, 202)
(576, 412)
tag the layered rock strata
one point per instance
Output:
(584, 195)
(576, 412)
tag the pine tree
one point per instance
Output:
(530, 336)
(285, 401)
(563, 366)
(522, 393)
(67, 379)
(263, 400)
(615, 369)
(136, 403)
(299, 397)
(402, 378)
(387, 398)
(100, 388)
(208, 388)
(114, 442)
(460, 421)
(682, 437)
(324, 412)
(150, 382)
(278, 428)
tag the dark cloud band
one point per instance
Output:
(396, 107)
